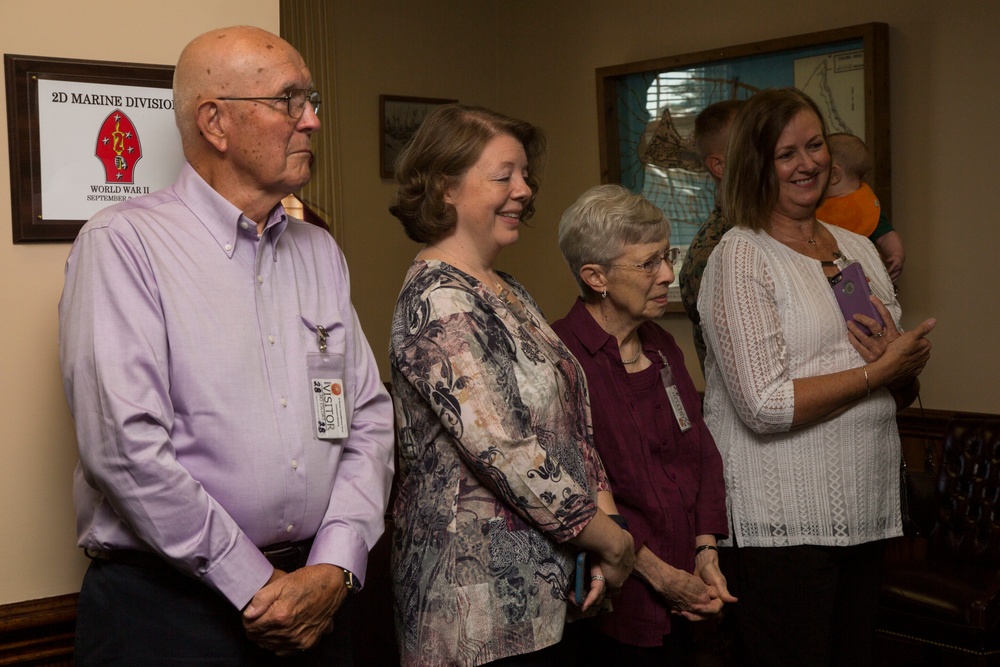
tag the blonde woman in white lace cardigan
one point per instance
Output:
(801, 405)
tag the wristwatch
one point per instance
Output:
(351, 583)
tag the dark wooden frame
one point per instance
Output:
(875, 39)
(22, 75)
(386, 156)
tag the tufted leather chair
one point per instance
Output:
(943, 589)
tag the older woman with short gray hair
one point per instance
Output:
(662, 463)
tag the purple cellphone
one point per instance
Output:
(850, 286)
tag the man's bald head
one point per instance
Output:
(224, 62)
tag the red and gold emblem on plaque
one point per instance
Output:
(118, 148)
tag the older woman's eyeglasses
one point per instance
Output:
(295, 99)
(652, 265)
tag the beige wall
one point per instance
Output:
(430, 48)
(37, 445)
(535, 60)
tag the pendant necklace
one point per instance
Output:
(811, 240)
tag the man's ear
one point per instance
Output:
(716, 163)
(593, 276)
(211, 125)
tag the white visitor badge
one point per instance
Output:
(329, 410)
(678, 405)
(680, 414)
(326, 373)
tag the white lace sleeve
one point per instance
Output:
(740, 315)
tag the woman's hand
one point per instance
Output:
(904, 358)
(688, 595)
(598, 589)
(872, 347)
(610, 547)
(691, 598)
(707, 569)
(616, 563)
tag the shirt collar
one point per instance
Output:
(594, 338)
(220, 217)
(587, 330)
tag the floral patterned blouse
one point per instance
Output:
(497, 470)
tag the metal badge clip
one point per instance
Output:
(322, 336)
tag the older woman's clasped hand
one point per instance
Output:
(696, 597)
(894, 356)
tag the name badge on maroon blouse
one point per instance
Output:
(680, 414)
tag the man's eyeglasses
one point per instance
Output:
(296, 100)
(651, 266)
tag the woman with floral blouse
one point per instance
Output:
(499, 484)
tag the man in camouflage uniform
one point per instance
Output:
(711, 135)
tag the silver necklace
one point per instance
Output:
(629, 362)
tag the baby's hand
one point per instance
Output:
(894, 265)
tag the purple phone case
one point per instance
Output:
(851, 289)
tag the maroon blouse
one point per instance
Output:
(667, 484)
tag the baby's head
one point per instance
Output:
(851, 162)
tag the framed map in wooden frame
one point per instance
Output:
(646, 112)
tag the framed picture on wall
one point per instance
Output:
(646, 112)
(83, 135)
(399, 118)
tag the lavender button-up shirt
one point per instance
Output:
(183, 339)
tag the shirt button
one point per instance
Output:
(290, 528)
(229, 246)
(260, 279)
(284, 402)
(270, 339)
(245, 225)
(295, 464)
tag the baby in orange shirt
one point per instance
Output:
(850, 203)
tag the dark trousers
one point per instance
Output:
(587, 646)
(154, 615)
(809, 605)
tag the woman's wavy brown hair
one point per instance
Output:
(448, 142)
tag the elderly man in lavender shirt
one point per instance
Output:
(235, 438)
